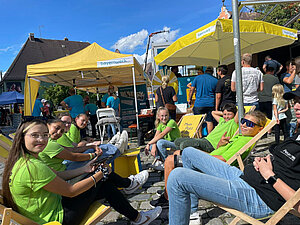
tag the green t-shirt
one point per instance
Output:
(26, 185)
(48, 156)
(215, 135)
(74, 134)
(65, 141)
(234, 145)
(173, 134)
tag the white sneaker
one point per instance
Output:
(158, 165)
(114, 139)
(122, 143)
(195, 219)
(136, 181)
(148, 216)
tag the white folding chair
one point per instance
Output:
(106, 116)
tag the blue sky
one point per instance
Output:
(124, 24)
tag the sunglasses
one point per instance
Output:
(249, 123)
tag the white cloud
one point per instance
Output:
(6, 49)
(166, 36)
(141, 58)
(130, 42)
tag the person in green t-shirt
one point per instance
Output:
(166, 133)
(31, 188)
(227, 122)
(252, 123)
(54, 153)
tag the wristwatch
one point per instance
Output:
(272, 180)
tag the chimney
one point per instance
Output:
(66, 39)
(31, 36)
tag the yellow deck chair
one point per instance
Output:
(5, 145)
(12, 135)
(189, 125)
(274, 219)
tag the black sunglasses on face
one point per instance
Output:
(249, 123)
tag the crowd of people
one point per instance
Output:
(54, 172)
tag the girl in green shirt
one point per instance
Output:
(31, 188)
(166, 133)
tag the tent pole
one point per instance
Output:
(135, 100)
(30, 101)
(237, 58)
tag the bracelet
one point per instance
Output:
(91, 155)
(94, 179)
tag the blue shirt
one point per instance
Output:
(92, 108)
(104, 98)
(76, 103)
(205, 85)
(37, 108)
(113, 103)
(287, 87)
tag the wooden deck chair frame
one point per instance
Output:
(196, 133)
(286, 208)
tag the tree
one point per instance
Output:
(280, 15)
(58, 93)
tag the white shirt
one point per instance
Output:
(251, 78)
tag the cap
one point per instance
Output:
(43, 100)
(292, 94)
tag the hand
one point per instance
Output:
(147, 149)
(277, 121)
(190, 102)
(69, 108)
(96, 143)
(98, 150)
(264, 166)
(224, 140)
(153, 150)
(90, 166)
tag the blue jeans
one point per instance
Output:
(218, 182)
(107, 149)
(162, 145)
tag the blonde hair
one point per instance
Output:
(277, 92)
(165, 81)
(247, 58)
(157, 120)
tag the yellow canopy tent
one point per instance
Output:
(213, 43)
(87, 69)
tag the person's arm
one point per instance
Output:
(80, 149)
(265, 67)
(275, 113)
(285, 109)
(265, 168)
(174, 98)
(223, 141)
(218, 100)
(289, 80)
(217, 115)
(119, 110)
(280, 68)
(68, 155)
(65, 105)
(219, 157)
(189, 85)
(191, 95)
(156, 98)
(160, 135)
(261, 86)
(233, 86)
(61, 187)
(148, 145)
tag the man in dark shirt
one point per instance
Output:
(224, 94)
(272, 63)
(175, 70)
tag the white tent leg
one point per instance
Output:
(135, 100)
(30, 101)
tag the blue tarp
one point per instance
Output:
(11, 97)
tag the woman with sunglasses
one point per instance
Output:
(31, 188)
(194, 160)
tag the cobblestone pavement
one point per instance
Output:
(211, 215)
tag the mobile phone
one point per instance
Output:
(100, 160)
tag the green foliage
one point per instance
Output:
(58, 93)
(280, 15)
